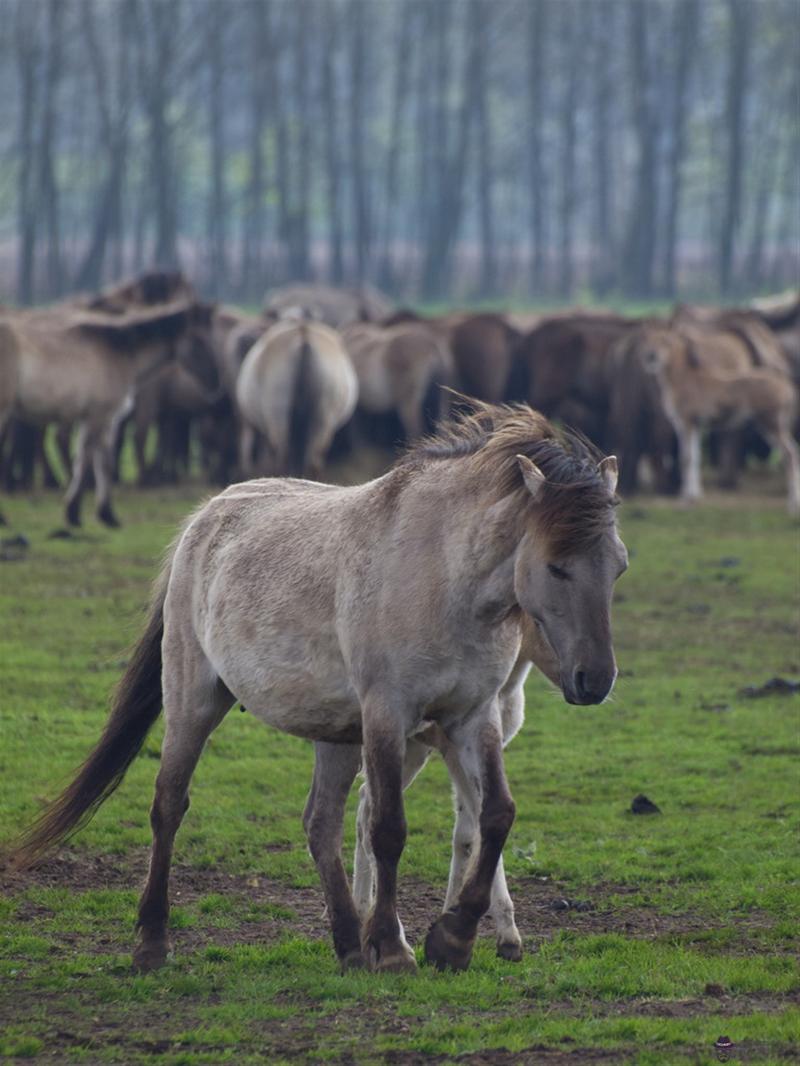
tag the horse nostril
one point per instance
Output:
(580, 684)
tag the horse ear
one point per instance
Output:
(609, 472)
(532, 476)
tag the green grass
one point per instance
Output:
(697, 911)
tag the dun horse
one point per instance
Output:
(695, 392)
(535, 650)
(297, 386)
(399, 368)
(65, 365)
(359, 618)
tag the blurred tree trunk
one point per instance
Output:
(404, 15)
(26, 47)
(640, 245)
(451, 168)
(537, 30)
(740, 13)
(482, 16)
(279, 94)
(300, 262)
(603, 258)
(572, 43)
(333, 163)
(158, 30)
(357, 58)
(216, 21)
(684, 38)
(48, 185)
(112, 142)
(260, 43)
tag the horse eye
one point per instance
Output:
(556, 571)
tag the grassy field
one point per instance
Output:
(646, 938)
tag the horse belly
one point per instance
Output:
(298, 685)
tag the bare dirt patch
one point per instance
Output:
(542, 908)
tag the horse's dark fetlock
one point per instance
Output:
(447, 949)
(150, 954)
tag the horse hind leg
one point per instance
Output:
(335, 768)
(193, 708)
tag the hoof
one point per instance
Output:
(509, 950)
(72, 516)
(353, 960)
(150, 955)
(398, 960)
(107, 517)
(445, 950)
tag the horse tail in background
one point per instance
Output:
(303, 403)
(135, 707)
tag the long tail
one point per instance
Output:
(301, 413)
(135, 707)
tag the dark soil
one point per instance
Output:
(542, 908)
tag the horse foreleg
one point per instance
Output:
(690, 454)
(451, 938)
(80, 468)
(102, 461)
(192, 712)
(417, 754)
(466, 844)
(335, 768)
(384, 751)
(781, 438)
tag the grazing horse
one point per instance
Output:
(534, 650)
(399, 370)
(297, 386)
(698, 389)
(359, 617)
(65, 365)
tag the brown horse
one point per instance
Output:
(483, 348)
(406, 596)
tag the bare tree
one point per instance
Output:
(113, 107)
(740, 13)
(684, 36)
(640, 244)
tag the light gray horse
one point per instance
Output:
(358, 617)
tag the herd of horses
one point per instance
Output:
(397, 617)
(320, 369)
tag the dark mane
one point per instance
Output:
(575, 507)
(130, 331)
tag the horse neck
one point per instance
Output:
(480, 534)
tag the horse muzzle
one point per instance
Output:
(585, 687)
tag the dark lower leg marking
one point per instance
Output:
(451, 938)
